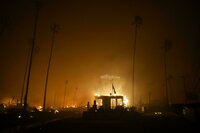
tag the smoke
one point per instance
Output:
(109, 77)
(105, 84)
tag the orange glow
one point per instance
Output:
(39, 108)
(70, 106)
(125, 101)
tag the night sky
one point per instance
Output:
(96, 39)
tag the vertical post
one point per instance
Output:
(170, 90)
(24, 80)
(167, 47)
(137, 22)
(115, 102)
(166, 82)
(184, 86)
(54, 100)
(122, 101)
(75, 95)
(31, 55)
(149, 98)
(66, 82)
(54, 29)
(133, 78)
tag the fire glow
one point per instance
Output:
(112, 91)
(125, 100)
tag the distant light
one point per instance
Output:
(4, 106)
(31, 116)
(39, 108)
(97, 95)
(125, 101)
(19, 116)
(56, 111)
(143, 109)
(73, 106)
(157, 113)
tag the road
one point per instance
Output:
(151, 122)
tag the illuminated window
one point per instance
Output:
(119, 102)
(113, 103)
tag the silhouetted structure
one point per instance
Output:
(167, 47)
(88, 106)
(106, 101)
(25, 76)
(31, 54)
(66, 82)
(137, 22)
(94, 107)
(54, 29)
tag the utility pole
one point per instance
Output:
(167, 47)
(170, 77)
(137, 22)
(54, 100)
(149, 98)
(185, 89)
(66, 82)
(31, 55)
(24, 80)
(54, 29)
(75, 95)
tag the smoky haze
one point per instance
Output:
(96, 38)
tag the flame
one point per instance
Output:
(125, 101)
(97, 95)
(39, 108)
(70, 106)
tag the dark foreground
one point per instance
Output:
(149, 122)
